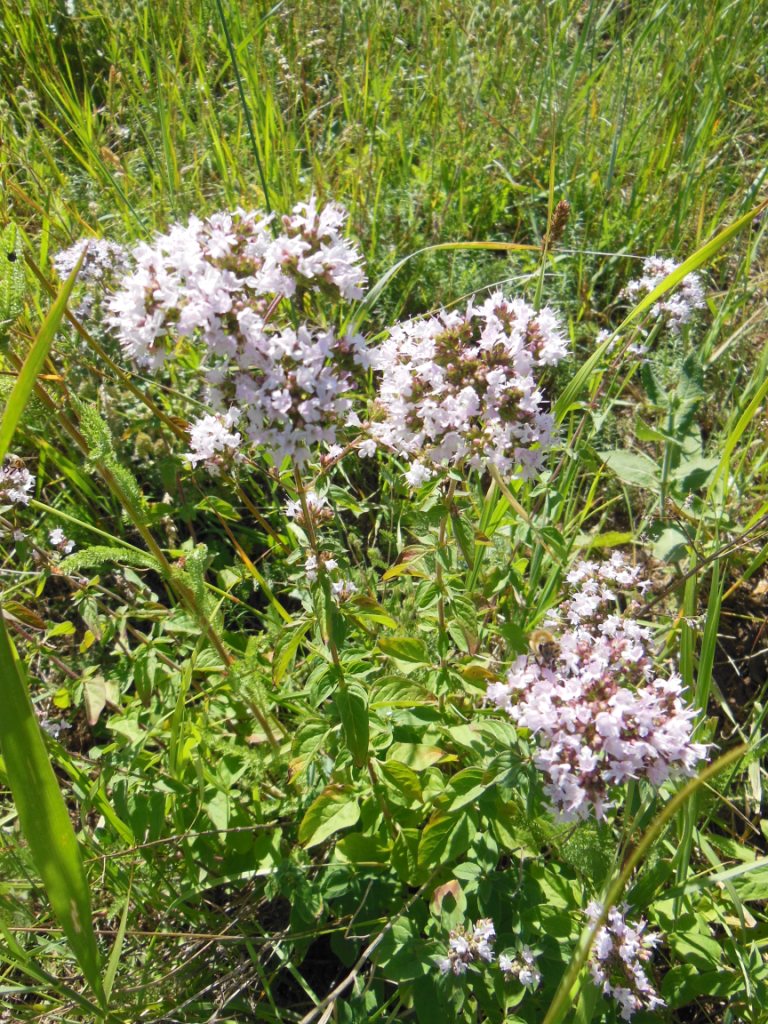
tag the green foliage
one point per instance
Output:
(273, 788)
(12, 282)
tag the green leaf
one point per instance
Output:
(415, 755)
(644, 432)
(91, 558)
(352, 704)
(211, 503)
(685, 982)
(653, 386)
(33, 364)
(367, 849)
(445, 838)
(404, 648)
(400, 692)
(285, 650)
(609, 539)
(464, 535)
(632, 468)
(466, 787)
(43, 815)
(11, 275)
(695, 473)
(401, 779)
(336, 808)
(369, 610)
(670, 543)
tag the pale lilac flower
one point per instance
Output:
(460, 387)
(219, 283)
(212, 441)
(342, 590)
(367, 449)
(418, 474)
(677, 307)
(599, 711)
(317, 507)
(16, 482)
(102, 260)
(617, 960)
(60, 541)
(467, 946)
(522, 966)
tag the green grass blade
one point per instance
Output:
(33, 364)
(43, 814)
(373, 295)
(698, 259)
(117, 948)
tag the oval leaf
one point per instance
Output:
(336, 808)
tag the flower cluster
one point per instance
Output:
(522, 966)
(318, 509)
(617, 961)
(213, 442)
(102, 259)
(220, 282)
(103, 264)
(600, 712)
(460, 387)
(467, 946)
(16, 482)
(675, 309)
(60, 542)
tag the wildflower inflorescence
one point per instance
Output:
(675, 308)
(220, 282)
(600, 712)
(60, 542)
(460, 387)
(617, 960)
(102, 259)
(467, 946)
(522, 967)
(16, 482)
(104, 264)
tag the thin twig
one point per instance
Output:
(333, 995)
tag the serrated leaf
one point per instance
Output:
(90, 558)
(335, 809)
(11, 275)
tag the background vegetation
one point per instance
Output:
(220, 896)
